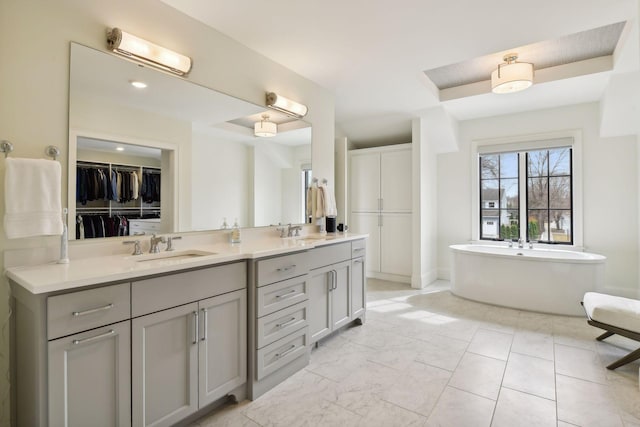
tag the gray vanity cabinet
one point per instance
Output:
(90, 378)
(165, 366)
(186, 357)
(223, 345)
(336, 287)
(358, 279)
(330, 295)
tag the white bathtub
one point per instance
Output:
(545, 280)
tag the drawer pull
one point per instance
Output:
(285, 324)
(358, 261)
(286, 295)
(287, 268)
(358, 250)
(284, 353)
(91, 310)
(97, 337)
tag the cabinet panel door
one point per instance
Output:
(364, 189)
(358, 292)
(368, 223)
(341, 295)
(395, 245)
(319, 309)
(165, 366)
(90, 378)
(223, 345)
(395, 181)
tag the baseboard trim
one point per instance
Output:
(390, 277)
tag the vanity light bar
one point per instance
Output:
(149, 53)
(287, 106)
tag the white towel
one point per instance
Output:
(329, 200)
(32, 198)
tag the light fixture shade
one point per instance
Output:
(144, 51)
(287, 106)
(264, 128)
(512, 77)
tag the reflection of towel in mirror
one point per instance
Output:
(319, 202)
(33, 189)
(329, 200)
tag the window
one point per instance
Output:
(544, 193)
(549, 201)
(499, 196)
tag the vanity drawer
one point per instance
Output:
(78, 311)
(159, 293)
(281, 323)
(330, 254)
(283, 267)
(358, 248)
(280, 295)
(280, 353)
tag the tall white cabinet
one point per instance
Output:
(380, 203)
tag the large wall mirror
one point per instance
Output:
(174, 156)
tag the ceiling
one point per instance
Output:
(372, 54)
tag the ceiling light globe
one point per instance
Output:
(513, 77)
(265, 129)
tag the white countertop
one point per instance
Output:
(81, 272)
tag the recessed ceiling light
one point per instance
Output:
(138, 84)
(119, 148)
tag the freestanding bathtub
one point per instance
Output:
(544, 280)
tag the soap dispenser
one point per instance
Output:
(224, 224)
(235, 232)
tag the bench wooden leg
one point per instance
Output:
(605, 335)
(634, 355)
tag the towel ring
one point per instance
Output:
(52, 151)
(6, 147)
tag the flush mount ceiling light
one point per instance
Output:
(512, 76)
(287, 106)
(264, 128)
(149, 53)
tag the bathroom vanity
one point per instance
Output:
(158, 339)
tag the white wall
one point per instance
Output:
(610, 187)
(34, 84)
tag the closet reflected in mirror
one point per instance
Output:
(197, 143)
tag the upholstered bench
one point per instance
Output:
(616, 315)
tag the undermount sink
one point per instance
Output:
(171, 256)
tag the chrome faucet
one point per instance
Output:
(136, 246)
(155, 241)
(293, 228)
(170, 240)
(520, 243)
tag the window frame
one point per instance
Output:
(524, 143)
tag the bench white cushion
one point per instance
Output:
(615, 311)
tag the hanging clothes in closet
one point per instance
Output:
(90, 226)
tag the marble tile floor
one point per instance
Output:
(428, 358)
